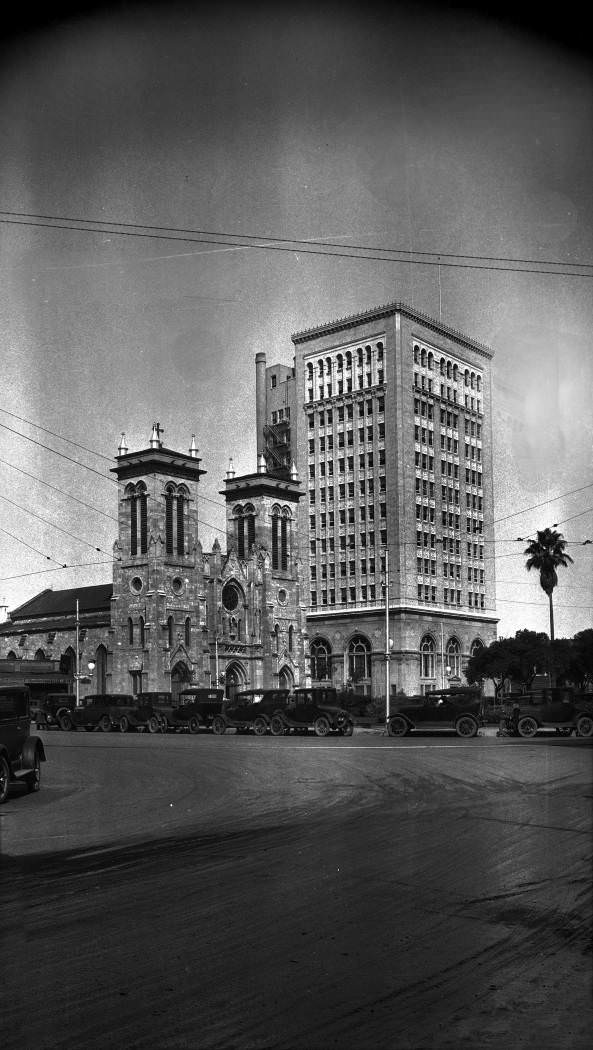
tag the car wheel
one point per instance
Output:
(105, 724)
(348, 728)
(277, 726)
(123, 724)
(218, 725)
(321, 726)
(527, 726)
(585, 725)
(4, 778)
(194, 724)
(260, 727)
(153, 724)
(66, 723)
(164, 724)
(397, 726)
(34, 778)
(466, 726)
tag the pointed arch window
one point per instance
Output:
(142, 632)
(170, 632)
(133, 526)
(275, 538)
(143, 521)
(250, 516)
(101, 669)
(284, 542)
(187, 631)
(290, 638)
(130, 631)
(169, 497)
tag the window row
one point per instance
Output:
(448, 369)
(345, 596)
(366, 487)
(326, 416)
(345, 515)
(137, 632)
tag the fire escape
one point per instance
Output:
(277, 451)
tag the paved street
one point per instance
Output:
(237, 892)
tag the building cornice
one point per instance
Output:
(158, 461)
(387, 310)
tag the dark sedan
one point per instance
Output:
(461, 710)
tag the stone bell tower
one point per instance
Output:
(158, 605)
(260, 615)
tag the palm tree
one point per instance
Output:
(546, 554)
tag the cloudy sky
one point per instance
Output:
(428, 129)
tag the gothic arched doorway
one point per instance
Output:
(235, 680)
(286, 679)
(180, 679)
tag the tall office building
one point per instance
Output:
(387, 416)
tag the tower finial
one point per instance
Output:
(293, 472)
(193, 448)
(261, 464)
(123, 448)
(155, 437)
(231, 470)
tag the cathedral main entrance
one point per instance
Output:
(180, 680)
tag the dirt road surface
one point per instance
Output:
(299, 894)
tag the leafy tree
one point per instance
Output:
(573, 658)
(546, 554)
(515, 659)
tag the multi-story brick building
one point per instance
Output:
(389, 425)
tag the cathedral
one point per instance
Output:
(175, 615)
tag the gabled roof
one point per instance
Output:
(63, 603)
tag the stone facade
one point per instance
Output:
(175, 615)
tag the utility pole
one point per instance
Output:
(77, 674)
(387, 643)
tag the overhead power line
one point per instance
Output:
(244, 238)
(300, 249)
(47, 557)
(54, 488)
(54, 526)
(61, 437)
(109, 459)
(40, 572)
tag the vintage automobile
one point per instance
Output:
(21, 754)
(311, 708)
(250, 710)
(47, 712)
(458, 709)
(563, 709)
(106, 711)
(196, 709)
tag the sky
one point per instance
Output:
(438, 129)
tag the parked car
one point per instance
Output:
(196, 709)
(21, 754)
(251, 710)
(47, 712)
(562, 709)
(458, 709)
(106, 711)
(315, 708)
